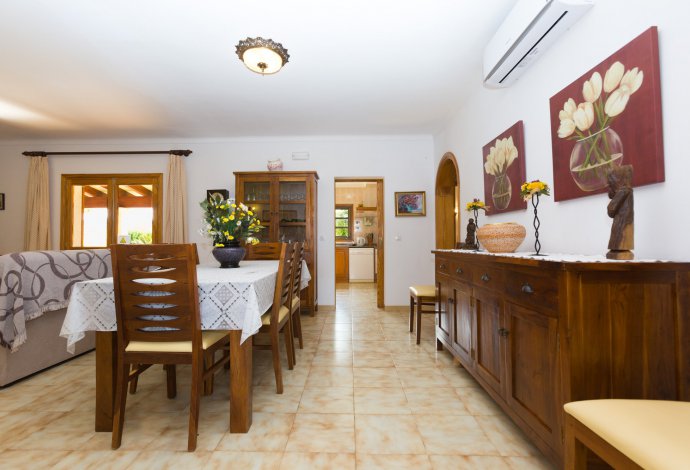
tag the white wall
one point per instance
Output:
(662, 211)
(405, 163)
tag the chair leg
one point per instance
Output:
(419, 320)
(120, 403)
(171, 376)
(289, 344)
(209, 357)
(411, 313)
(194, 402)
(135, 380)
(297, 327)
(275, 350)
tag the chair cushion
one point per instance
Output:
(423, 291)
(266, 317)
(208, 339)
(652, 433)
(295, 302)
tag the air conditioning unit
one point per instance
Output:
(530, 28)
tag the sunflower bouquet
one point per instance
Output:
(528, 189)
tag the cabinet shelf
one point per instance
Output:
(293, 224)
(301, 201)
(365, 209)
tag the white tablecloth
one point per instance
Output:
(229, 299)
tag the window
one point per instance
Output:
(343, 222)
(99, 210)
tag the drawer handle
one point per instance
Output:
(503, 332)
(450, 300)
(442, 266)
(485, 277)
(458, 271)
(527, 288)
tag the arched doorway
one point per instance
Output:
(447, 202)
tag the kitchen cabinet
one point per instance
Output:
(538, 333)
(342, 258)
(286, 202)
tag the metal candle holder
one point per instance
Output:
(536, 224)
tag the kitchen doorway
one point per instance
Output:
(359, 233)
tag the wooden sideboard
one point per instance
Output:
(538, 333)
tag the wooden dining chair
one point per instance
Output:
(263, 251)
(295, 305)
(277, 319)
(158, 322)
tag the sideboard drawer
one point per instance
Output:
(487, 277)
(539, 289)
(443, 265)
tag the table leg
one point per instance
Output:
(106, 359)
(240, 383)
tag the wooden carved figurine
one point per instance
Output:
(470, 241)
(621, 210)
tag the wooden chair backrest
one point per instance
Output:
(281, 296)
(143, 308)
(298, 257)
(268, 250)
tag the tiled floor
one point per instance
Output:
(363, 395)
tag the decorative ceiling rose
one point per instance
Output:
(261, 55)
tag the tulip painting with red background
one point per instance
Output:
(609, 116)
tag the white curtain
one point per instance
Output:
(175, 202)
(37, 224)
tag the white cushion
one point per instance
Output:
(208, 339)
(652, 433)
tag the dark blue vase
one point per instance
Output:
(229, 256)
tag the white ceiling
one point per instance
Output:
(167, 68)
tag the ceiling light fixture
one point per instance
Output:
(261, 55)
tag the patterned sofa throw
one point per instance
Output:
(34, 282)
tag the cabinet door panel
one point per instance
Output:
(446, 307)
(531, 365)
(489, 345)
(463, 321)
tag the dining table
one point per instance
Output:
(232, 299)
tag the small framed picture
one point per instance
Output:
(216, 193)
(410, 203)
(2, 201)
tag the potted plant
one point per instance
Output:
(227, 223)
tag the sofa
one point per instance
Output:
(34, 293)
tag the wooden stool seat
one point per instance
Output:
(421, 296)
(629, 433)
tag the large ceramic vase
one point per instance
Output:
(593, 157)
(501, 238)
(229, 256)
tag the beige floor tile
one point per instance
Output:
(369, 346)
(222, 460)
(20, 459)
(372, 359)
(506, 436)
(322, 433)
(337, 335)
(330, 377)
(441, 400)
(317, 461)
(478, 402)
(329, 345)
(269, 433)
(382, 401)
(111, 459)
(376, 377)
(60, 440)
(415, 377)
(165, 460)
(393, 462)
(368, 335)
(175, 439)
(454, 435)
(419, 359)
(529, 463)
(17, 425)
(468, 462)
(339, 359)
(458, 377)
(326, 400)
(387, 434)
(266, 399)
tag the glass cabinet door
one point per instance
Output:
(292, 199)
(257, 195)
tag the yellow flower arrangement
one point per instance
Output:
(227, 223)
(476, 204)
(528, 189)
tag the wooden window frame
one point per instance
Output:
(350, 218)
(114, 180)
